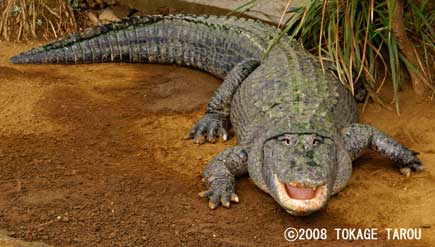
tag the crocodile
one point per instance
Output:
(295, 123)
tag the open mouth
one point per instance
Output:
(300, 199)
(299, 191)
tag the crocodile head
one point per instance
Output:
(297, 171)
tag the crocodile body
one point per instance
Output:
(295, 123)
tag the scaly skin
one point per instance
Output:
(295, 124)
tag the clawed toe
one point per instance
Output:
(406, 171)
(216, 198)
(209, 128)
(234, 198)
(199, 140)
(414, 166)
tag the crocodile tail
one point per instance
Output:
(205, 42)
(100, 44)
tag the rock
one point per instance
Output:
(121, 11)
(167, 11)
(111, 2)
(6, 241)
(93, 19)
(107, 15)
(265, 10)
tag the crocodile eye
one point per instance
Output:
(317, 142)
(288, 140)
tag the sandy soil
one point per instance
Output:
(92, 155)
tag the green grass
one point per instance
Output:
(357, 37)
(74, 3)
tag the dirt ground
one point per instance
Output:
(93, 155)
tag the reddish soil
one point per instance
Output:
(93, 155)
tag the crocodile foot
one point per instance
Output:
(220, 192)
(413, 164)
(210, 127)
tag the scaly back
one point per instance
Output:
(210, 43)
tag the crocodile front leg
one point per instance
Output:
(220, 174)
(216, 120)
(357, 137)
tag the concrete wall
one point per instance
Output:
(266, 10)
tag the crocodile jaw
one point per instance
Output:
(300, 207)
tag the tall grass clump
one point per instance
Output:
(26, 19)
(369, 39)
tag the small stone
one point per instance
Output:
(107, 15)
(93, 19)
